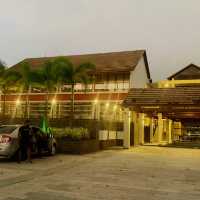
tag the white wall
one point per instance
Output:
(138, 77)
(111, 135)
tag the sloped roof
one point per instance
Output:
(189, 72)
(163, 96)
(105, 62)
(174, 103)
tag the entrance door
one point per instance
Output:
(147, 134)
(132, 134)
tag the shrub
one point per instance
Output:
(74, 134)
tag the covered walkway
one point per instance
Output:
(157, 115)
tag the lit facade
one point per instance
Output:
(114, 75)
(165, 111)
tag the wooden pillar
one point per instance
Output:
(127, 120)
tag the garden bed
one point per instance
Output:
(75, 141)
(77, 147)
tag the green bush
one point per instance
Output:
(74, 134)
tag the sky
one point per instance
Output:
(169, 30)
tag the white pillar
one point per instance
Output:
(151, 130)
(169, 131)
(136, 129)
(141, 128)
(97, 112)
(127, 121)
(160, 128)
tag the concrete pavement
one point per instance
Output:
(142, 173)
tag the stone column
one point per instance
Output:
(160, 128)
(151, 130)
(141, 128)
(127, 120)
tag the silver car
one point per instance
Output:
(9, 141)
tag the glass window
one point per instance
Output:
(7, 129)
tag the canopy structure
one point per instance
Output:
(175, 103)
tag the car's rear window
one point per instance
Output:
(7, 129)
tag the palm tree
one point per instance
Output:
(27, 80)
(46, 81)
(2, 67)
(58, 72)
(8, 80)
(76, 74)
(51, 78)
(55, 73)
(2, 73)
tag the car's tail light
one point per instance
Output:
(4, 139)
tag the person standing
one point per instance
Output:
(25, 142)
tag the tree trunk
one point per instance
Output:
(59, 105)
(72, 106)
(26, 107)
(4, 105)
(27, 103)
(46, 104)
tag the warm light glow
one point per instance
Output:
(18, 102)
(115, 107)
(107, 105)
(53, 101)
(167, 85)
(96, 101)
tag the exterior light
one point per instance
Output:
(107, 105)
(17, 102)
(96, 101)
(53, 102)
(167, 85)
(115, 107)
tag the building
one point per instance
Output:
(186, 77)
(165, 110)
(114, 74)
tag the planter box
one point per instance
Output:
(77, 147)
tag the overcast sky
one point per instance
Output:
(168, 29)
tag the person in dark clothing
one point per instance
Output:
(25, 142)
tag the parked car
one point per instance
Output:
(9, 141)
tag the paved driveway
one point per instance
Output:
(141, 173)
